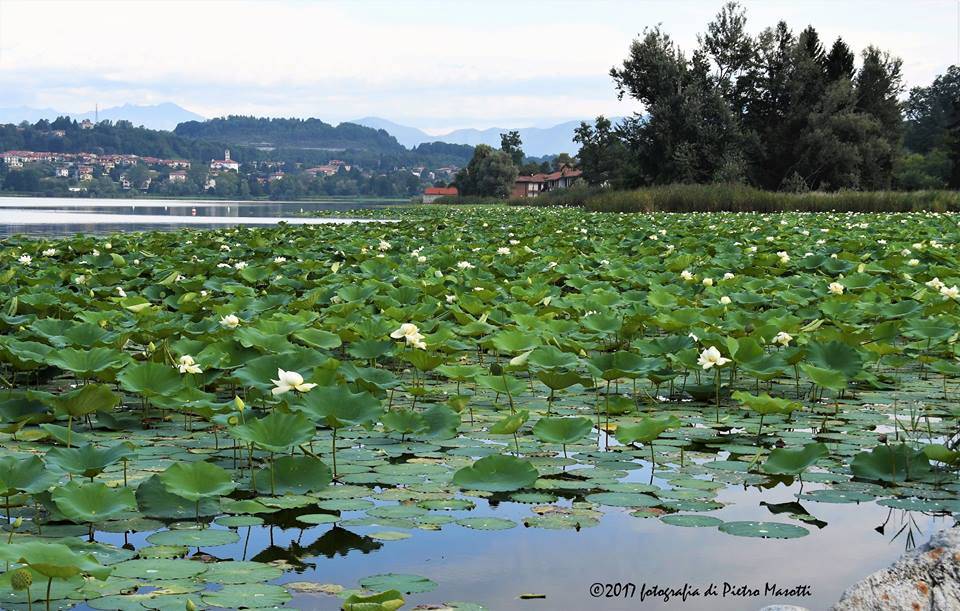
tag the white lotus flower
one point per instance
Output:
(503, 250)
(224, 248)
(49, 252)
(384, 245)
(913, 262)
(421, 259)
(783, 338)
(784, 257)
(451, 298)
(188, 365)
(240, 265)
(950, 293)
(725, 300)
(686, 275)
(936, 284)
(711, 357)
(279, 259)
(289, 380)
(230, 321)
(728, 276)
(410, 333)
(836, 288)
(406, 329)
(25, 259)
(465, 265)
(707, 282)
(121, 292)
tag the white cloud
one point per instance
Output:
(427, 60)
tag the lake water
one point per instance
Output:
(848, 541)
(67, 216)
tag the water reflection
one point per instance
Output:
(64, 216)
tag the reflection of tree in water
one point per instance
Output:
(335, 542)
(909, 525)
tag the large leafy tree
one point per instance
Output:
(601, 151)
(491, 173)
(511, 144)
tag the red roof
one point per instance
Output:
(441, 191)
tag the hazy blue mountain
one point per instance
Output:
(537, 141)
(16, 114)
(405, 135)
(158, 116)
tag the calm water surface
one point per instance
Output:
(67, 216)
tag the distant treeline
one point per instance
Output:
(203, 141)
(112, 138)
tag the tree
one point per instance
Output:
(511, 144)
(490, 173)
(691, 133)
(731, 49)
(601, 151)
(138, 175)
(953, 145)
(22, 180)
(774, 110)
(878, 88)
(839, 62)
(929, 111)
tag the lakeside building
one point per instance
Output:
(534, 185)
(432, 194)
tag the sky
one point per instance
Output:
(433, 64)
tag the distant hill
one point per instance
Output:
(405, 135)
(112, 139)
(310, 134)
(164, 116)
(537, 141)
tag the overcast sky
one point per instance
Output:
(433, 64)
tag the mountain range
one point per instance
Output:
(164, 116)
(537, 141)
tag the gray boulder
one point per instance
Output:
(925, 579)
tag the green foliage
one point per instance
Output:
(736, 198)
(491, 173)
(197, 480)
(772, 110)
(793, 461)
(496, 473)
(891, 464)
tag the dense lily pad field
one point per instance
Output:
(180, 389)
